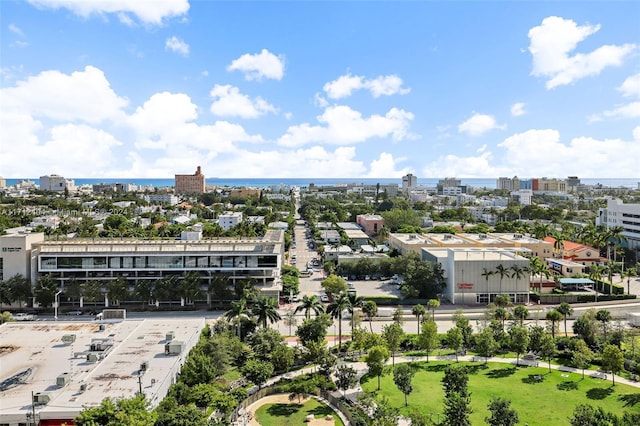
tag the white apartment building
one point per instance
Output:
(169, 199)
(627, 216)
(409, 182)
(228, 220)
(523, 196)
(56, 183)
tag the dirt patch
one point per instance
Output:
(281, 398)
(7, 349)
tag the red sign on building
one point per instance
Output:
(465, 286)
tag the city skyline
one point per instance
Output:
(318, 89)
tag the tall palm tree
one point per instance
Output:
(565, 309)
(433, 304)
(266, 309)
(238, 314)
(355, 302)
(486, 274)
(340, 304)
(553, 316)
(370, 310)
(310, 303)
(418, 311)
(518, 273)
(502, 272)
(628, 274)
(541, 230)
(521, 313)
(537, 266)
(616, 237)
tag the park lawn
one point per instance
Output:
(550, 401)
(294, 414)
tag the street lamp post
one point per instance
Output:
(55, 315)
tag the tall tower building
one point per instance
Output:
(191, 184)
(409, 182)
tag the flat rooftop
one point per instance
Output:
(476, 253)
(412, 239)
(33, 355)
(448, 239)
(517, 238)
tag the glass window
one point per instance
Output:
(48, 263)
(100, 262)
(127, 262)
(114, 263)
(190, 261)
(216, 261)
(227, 261)
(140, 261)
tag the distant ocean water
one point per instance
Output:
(302, 182)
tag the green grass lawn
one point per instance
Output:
(550, 401)
(294, 414)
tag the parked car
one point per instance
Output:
(23, 317)
(324, 298)
(74, 313)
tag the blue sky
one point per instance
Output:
(319, 89)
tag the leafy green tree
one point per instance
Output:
(5, 294)
(501, 314)
(587, 415)
(334, 284)
(402, 377)
(393, 335)
(170, 413)
(266, 309)
(457, 406)
(486, 344)
(133, 411)
(585, 327)
(257, 371)
(355, 303)
(189, 287)
(519, 339)
(501, 413)
(313, 330)
(45, 290)
(19, 289)
(423, 280)
(203, 394)
(239, 314)
(566, 310)
(199, 368)
(418, 311)
(143, 291)
(290, 320)
(428, 339)
(462, 323)
(454, 340)
(370, 310)
(346, 378)
(264, 341)
(581, 355)
(117, 290)
(375, 360)
(547, 348)
(282, 358)
(612, 360)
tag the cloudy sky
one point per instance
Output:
(150, 88)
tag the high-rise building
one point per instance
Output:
(409, 182)
(191, 184)
(56, 183)
(625, 215)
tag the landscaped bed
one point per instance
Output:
(539, 397)
(278, 410)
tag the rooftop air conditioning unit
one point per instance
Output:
(144, 365)
(63, 379)
(69, 338)
(41, 398)
(173, 348)
(83, 387)
(92, 357)
(170, 336)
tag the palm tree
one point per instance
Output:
(503, 272)
(486, 274)
(355, 302)
(418, 311)
(553, 316)
(604, 317)
(308, 304)
(501, 314)
(565, 309)
(266, 308)
(615, 237)
(537, 266)
(433, 304)
(370, 310)
(190, 287)
(518, 273)
(238, 313)
(521, 313)
(541, 230)
(628, 274)
(340, 304)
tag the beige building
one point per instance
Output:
(16, 256)
(191, 184)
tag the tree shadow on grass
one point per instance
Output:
(501, 373)
(320, 411)
(567, 385)
(434, 368)
(283, 410)
(475, 368)
(533, 379)
(630, 400)
(599, 393)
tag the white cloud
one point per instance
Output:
(177, 45)
(630, 110)
(385, 166)
(261, 65)
(345, 85)
(320, 101)
(16, 30)
(541, 152)
(553, 41)
(229, 102)
(147, 12)
(83, 95)
(517, 109)
(631, 86)
(479, 124)
(341, 125)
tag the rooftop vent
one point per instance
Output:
(170, 336)
(41, 398)
(63, 379)
(69, 338)
(173, 348)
